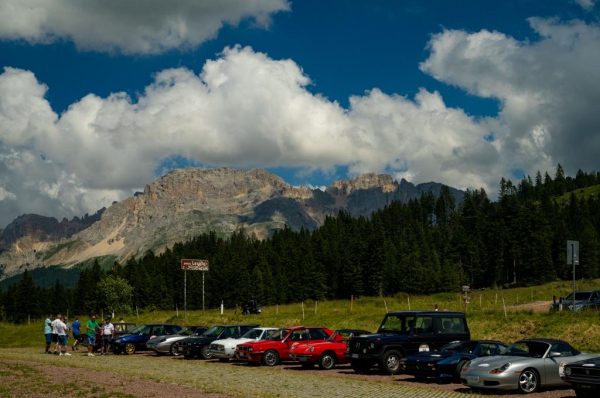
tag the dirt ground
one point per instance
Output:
(22, 378)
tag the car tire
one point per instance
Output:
(205, 353)
(360, 366)
(174, 349)
(327, 361)
(580, 393)
(129, 349)
(459, 367)
(270, 358)
(390, 363)
(529, 381)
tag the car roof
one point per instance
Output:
(429, 313)
(237, 324)
(542, 340)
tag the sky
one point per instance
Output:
(98, 98)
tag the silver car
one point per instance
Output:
(168, 344)
(527, 365)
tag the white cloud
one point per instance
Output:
(243, 109)
(129, 26)
(548, 89)
(586, 4)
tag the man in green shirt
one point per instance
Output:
(91, 329)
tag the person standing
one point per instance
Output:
(76, 330)
(48, 333)
(54, 324)
(108, 332)
(61, 331)
(91, 328)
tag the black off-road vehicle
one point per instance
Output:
(405, 333)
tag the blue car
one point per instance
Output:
(138, 336)
(446, 364)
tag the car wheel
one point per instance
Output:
(271, 358)
(529, 381)
(129, 348)
(360, 366)
(579, 393)
(174, 350)
(391, 362)
(459, 367)
(327, 361)
(205, 353)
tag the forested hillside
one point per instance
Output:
(427, 245)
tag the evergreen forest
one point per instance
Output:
(427, 245)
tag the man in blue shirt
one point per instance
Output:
(76, 330)
(48, 333)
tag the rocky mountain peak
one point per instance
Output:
(365, 181)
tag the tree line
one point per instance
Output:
(427, 245)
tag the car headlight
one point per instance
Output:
(372, 346)
(501, 369)
(567, 371)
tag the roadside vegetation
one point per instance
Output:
(526, 315)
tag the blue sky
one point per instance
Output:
(99, 99)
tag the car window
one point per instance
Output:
(396, 324)
(253, 334)
(279, 334)
(564, 349)
(452, 325)
(487, 349)
(318, 334)
(535, 349)
(299, 335)
(158, 330)
(171, 329)
(424, 324)
(215, 331)
(229, 332)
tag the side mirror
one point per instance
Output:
(555, 354)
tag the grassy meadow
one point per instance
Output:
(506, 315)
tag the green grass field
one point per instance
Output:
(525, 316)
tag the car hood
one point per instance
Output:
(199, 340)
(431, 356)
(131, 337)
(166, 338)
(592, 362)
(262, 344)
(231, 342)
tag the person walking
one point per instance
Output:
(91, 328)
(108, 332)
(76, 331)
(48, 333)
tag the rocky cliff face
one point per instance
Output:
(187, 202)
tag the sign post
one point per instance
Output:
(192, 265)
(573, 258)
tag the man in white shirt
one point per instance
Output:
(61, 332)
(108, 331)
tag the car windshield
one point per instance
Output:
(460, 346)
(277, 334)
(137, 329)
(215, 331)
(253, 334)
(186, 332)
(579, 296)
(534, 349)
(394, 324)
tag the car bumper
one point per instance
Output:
(303, 358)
(249, 356)
(493, 382)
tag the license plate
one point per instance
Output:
(355, 355)
(303, 359)
(473, 379)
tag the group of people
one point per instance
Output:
(56, 331)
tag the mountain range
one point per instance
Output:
(187, 202)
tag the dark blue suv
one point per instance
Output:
(138, 336)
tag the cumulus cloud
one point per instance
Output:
(548, 89)
(132, 26)
(242, 109)
(586, 4)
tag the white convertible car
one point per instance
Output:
(224, 349)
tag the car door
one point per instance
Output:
(552, 362)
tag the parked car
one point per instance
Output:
(406, 333)
(526, 366)
(584, 300)
(446, 364)
(198, 346)
(224, 349)
(584, 377)
(326, 353)
(276, 347)
(139, 335)
(167, 344)
(121, 328)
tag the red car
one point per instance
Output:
(326, 353)
(276, 347)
